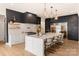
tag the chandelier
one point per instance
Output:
(51, 13)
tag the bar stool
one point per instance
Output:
(47, 43)
(55, 40)
(60, 39)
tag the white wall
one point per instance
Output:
(2, 9)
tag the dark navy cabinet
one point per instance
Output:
(72, 25)
(10, 14)
(31, 18)
(26, 17)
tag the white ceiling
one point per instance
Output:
(38, 8)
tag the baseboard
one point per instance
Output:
(18, 43)
(14, 43)
(8, 44)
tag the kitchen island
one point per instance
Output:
(35, 44)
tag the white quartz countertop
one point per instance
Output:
(47, 35)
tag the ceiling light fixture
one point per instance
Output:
(45, 13)
(51, 13)
(56, 16)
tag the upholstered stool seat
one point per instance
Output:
(48, 42)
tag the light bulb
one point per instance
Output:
(56, 18)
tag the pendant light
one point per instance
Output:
(44, 14)
(14, 19)
(56, 16)
(51, 12)
(52, 16)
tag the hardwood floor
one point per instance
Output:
(15, 50)
(69, 48)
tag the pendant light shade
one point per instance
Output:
(56, 16)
